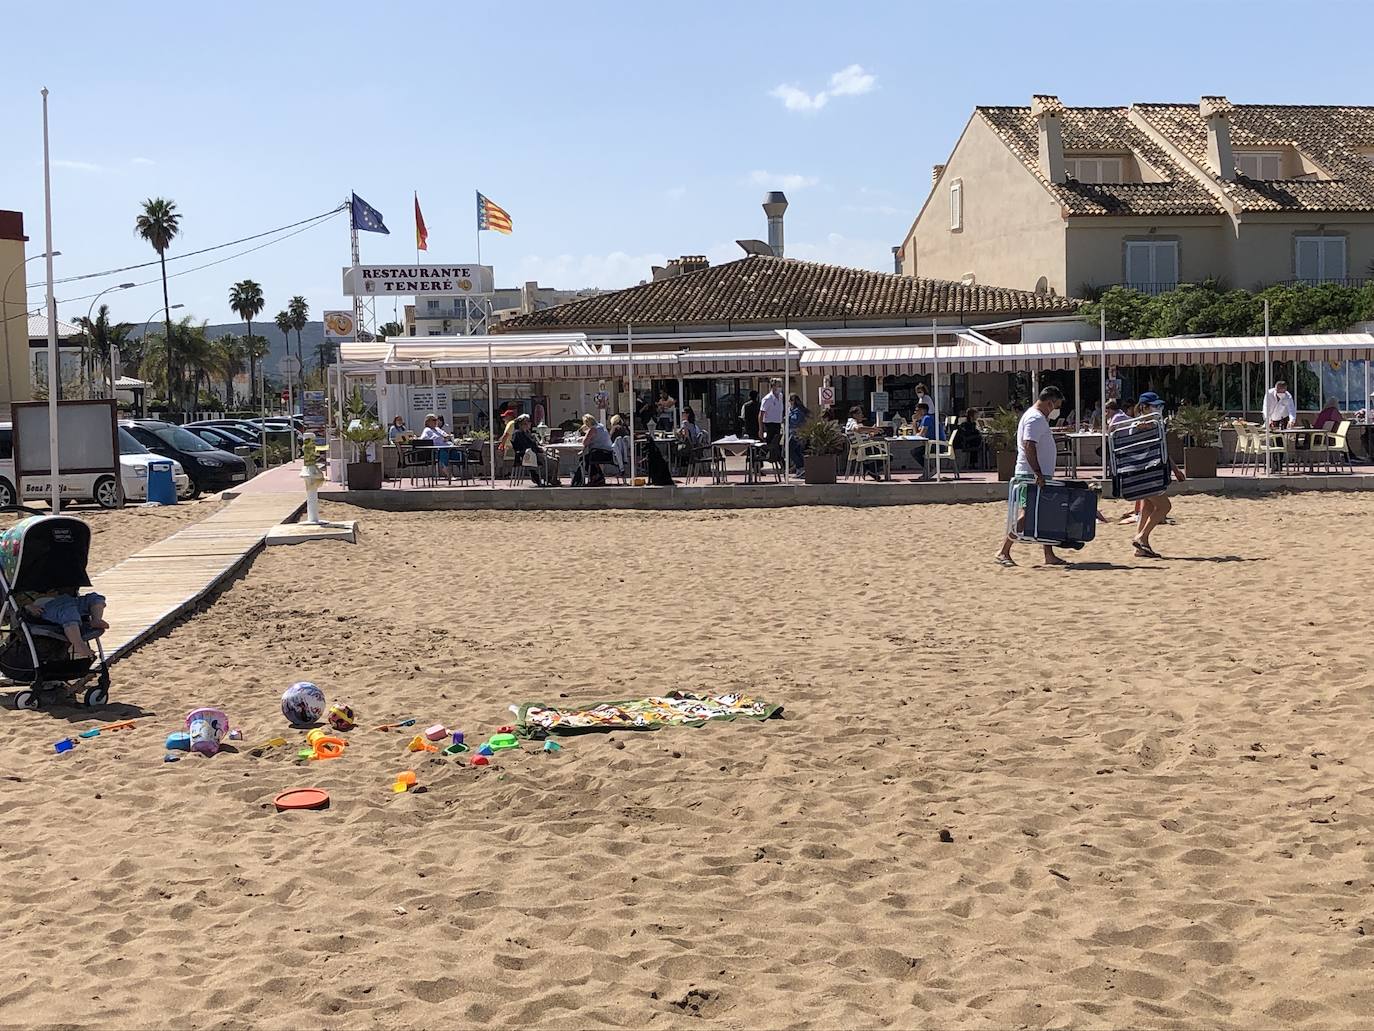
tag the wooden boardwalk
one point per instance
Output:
(152, 589)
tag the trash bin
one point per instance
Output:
(161, 489)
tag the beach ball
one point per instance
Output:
(303, 703)
(341, 717)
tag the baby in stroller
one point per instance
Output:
(81, 616)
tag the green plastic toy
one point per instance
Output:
(501, 741)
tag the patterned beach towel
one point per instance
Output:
(677, 709)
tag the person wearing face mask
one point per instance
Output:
(1035, 458)
(1280, 408)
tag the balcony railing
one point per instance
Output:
(1329, 280)
(1153, 288)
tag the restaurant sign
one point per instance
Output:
(412, 280)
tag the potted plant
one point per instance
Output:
(361, 472)
(1198, 429)
(824, 443)
(1002, 435)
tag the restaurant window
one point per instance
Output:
(956, 205)
(1151, 263)
(1260, 164)
(433, 304)
(1094, 170)
(1320, 259)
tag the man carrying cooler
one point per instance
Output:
(1035, 456)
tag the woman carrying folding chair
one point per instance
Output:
(1155, 508)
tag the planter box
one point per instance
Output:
(822, 468)
(1006, 465)
(1200, 462)
(364, 475)
(1175, 444)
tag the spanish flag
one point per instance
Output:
(421, 233)
(491, 216)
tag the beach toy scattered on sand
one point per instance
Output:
(236, 735)
(93, 732)
(393, 726)
(481, 760)
(436, 732)
(505, 730)
(485, 749)
(65, 745)
(457, 748)
(552, 746)
(419, 744)
(341, 717)
(457, 737)
(207, 728)
(502, 741)
(315, 735)
(404, 782)
(179, 741)
(329, 747)
(171, 757)
(121, 725)
(302, 704)
(275, 742)
(302, 798)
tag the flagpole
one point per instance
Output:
(54, 359)
(353, 236)
(630, 344)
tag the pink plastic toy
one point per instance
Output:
(437, 732)
(207, 728)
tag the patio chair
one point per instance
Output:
(761, 455)
(1332, 446)
(1267, 446)
(1066, 454)
(418, 459)
(868, 452)
(947, 452)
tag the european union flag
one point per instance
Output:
(367, 218)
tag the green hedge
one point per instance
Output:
(1209, 308)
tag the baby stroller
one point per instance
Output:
(38, 554)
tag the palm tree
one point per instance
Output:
(285, 324)
(246, 300)
(159, 225)
(391, 329)
(195, 354)
(226, 355)
(299, 311)
(255, 349)
(104, 337)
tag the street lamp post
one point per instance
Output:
(90, 340)
(5, 317)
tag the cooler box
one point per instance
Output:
(1061, 513)
(161, 489)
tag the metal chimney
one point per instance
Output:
(773, 206)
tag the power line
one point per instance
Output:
(192, 254)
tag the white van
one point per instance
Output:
(134, 459)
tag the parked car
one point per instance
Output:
(240, 426)
(134, 459)
(209, 468)
(225, 438)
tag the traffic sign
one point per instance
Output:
(827, 397)
(290, 365)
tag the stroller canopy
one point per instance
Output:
(44, 553)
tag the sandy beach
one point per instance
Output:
(1154, 778)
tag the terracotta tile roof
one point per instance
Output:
(765, 289)
(1105, 129)
(1334, 138)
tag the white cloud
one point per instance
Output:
(576, 271)
(851, 81)
(77, 166)
(142, 161)
(795, 99)
(675, 193)
(781, 180)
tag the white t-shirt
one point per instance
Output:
(771, 407)
(1035, 427)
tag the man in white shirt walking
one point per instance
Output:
(1280, 407)
(1035, 457)
(771, 411)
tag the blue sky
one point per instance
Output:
(616, 135)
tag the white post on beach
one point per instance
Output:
(935, 393)
(1102, 373)
(786, 400)
(1268, 459)
(491, 409)
(54, 366)
(1245, 390)
(630, 345)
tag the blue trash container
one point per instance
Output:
(161, 489)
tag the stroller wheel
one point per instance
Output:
(97, 696)
(26, 700)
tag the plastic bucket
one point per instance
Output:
(161, 489)
(206, 728)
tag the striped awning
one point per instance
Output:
(1311, 347)
(536, 370)
(733, 363)
(966, 354)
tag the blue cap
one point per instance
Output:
(1150, 399)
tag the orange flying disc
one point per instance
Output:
(302, 798)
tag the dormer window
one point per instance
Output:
(1260, 164)
(1094, 169)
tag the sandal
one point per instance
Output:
(1144, 550)
(1003, 561)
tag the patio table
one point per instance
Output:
(734, 446)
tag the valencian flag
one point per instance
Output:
(491, 216)
(367, 218)
(421, 233)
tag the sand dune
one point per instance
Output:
(1155, 778)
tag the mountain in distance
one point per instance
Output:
(311, 337)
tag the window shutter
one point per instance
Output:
(1309, 257)
(1166, 262)
(1333, 257)
(956, 205)
(1137, 262)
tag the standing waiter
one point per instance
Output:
(771, 411)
